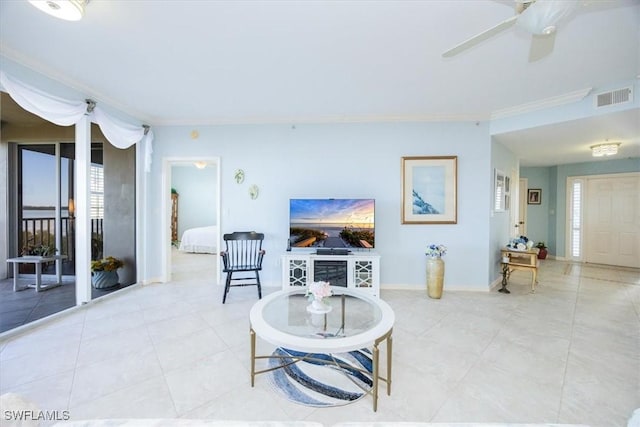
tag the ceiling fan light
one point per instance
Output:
(608, 149)
(69, 10)
(549, 30)
(543, 15)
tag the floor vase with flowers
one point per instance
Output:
(435, 276)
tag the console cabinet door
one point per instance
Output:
(296, 272)
(363, 273)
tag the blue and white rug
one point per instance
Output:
(319, 382)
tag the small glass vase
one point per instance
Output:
(318, 306)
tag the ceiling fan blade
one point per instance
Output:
(481, 37)
(541, 46)
(542, 16)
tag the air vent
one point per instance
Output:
(619, 96)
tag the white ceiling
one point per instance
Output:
(199, 62)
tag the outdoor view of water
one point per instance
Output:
(43, 213)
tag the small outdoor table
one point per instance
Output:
(38, 261)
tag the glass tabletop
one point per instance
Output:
(356, 320)
(350, 315)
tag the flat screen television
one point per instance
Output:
(332, 223)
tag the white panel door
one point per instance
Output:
(612, 221)
(522, 205)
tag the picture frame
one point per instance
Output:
(534, 196)
(430, 190)
(499, 191)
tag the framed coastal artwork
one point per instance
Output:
(534, 196)
(429, 190)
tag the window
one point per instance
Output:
(575, 218)
(97, 191)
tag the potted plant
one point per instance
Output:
(38, 250)
(104, 272)
(542, 250)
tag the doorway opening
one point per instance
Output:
(192, 214)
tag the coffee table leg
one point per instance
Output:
(389, 349)
(376, 373)
(252, 334)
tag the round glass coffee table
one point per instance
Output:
(356, 321)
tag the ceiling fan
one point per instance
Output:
(538, 17)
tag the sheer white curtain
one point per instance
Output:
(64, 112)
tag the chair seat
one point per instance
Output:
(242, 268)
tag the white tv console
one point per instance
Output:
(357, 270)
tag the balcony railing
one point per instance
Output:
(42, 231)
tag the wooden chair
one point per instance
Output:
(243, 253)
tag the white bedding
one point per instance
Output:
(200, 240)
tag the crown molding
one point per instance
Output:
(542, 104)
(328, 119)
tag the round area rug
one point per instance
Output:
(319, 382)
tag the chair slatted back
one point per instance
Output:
(243, 251)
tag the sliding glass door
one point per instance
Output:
(45, 203)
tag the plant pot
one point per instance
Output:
(542, 253)
(104, 279)
(435, 277)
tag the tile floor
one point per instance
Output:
(23, 307)
(569, 353)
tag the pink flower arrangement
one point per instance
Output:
(318, 290)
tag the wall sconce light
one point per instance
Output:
(200, 165)
(606, 149)
(71, 207)
(69, 10)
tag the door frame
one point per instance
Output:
(165, 221)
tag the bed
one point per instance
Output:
(202, 240)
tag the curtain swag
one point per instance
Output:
(64, 112)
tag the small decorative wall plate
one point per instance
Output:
(239, 176)
(253, 192)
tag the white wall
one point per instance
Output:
(338, 160)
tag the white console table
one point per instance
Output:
(362, 270)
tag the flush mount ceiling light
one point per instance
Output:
(606, 149)
(69, 10)
(200, 165)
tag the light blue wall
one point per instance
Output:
(356, 160)
(197, 198)
(538, 216)
(499, 232)
(554, 214)
(340, 160)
